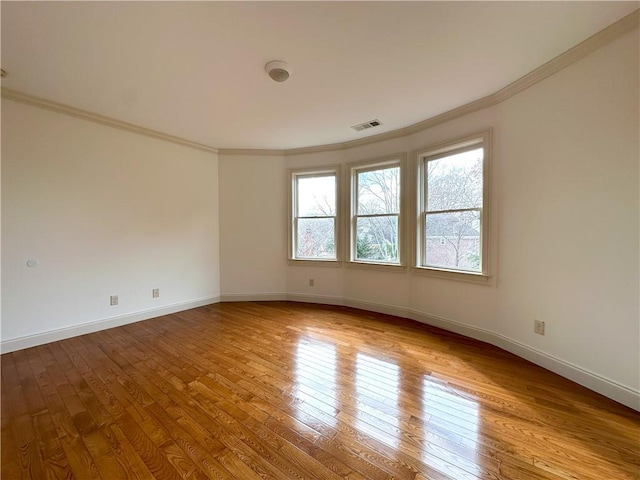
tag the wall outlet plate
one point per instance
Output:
(113, 300)
(538, 327)
(155, 293)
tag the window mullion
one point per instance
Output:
(316, 216)
(377, 215)
(455, 210)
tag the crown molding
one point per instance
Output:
(581, 50)
(27, 99)
(262, 152)
(578, 52)
(584, 48)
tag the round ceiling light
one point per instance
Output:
(278, 70)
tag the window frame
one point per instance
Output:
(441, 150)
(351, 216)
(292, 176)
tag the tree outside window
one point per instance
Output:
(314, 222)
(376, 213)
(453, 192)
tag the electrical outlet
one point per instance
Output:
(538, 327)
(113, 300)
(312, 282)
(155, 293)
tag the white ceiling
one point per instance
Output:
(195, 69)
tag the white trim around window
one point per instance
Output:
(314, 205)
(452, 209)
(375, 219)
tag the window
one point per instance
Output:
(375, 213)
(453, 206)
(313, 215)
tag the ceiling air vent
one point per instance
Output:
(365, 125)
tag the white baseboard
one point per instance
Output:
(586, 378)
(28, 341)
(253, 297)
(306, 298)
(591, 380)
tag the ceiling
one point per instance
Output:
(196, 69)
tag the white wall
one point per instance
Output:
(565, 225)
(253, 226)
(110, 212)
(569, 151)
(105, 212)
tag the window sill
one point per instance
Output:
(469, 277)
(314, 263)
(381, 267)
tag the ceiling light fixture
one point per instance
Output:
(278, 70)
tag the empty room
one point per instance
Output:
(320, 240)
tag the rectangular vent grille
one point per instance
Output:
(365, 125)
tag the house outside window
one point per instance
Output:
(453, 205)
(313, 221)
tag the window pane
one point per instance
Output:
(452, 240)
(379, 191)
(455, 181)
(316, 238)
(377, 238)
(317, 196)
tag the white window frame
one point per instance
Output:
(396, 160)
(293, 176)
(433, 152)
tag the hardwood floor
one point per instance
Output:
(285, 390)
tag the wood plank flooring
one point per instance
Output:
(281, 390)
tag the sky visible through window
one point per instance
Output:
(317, 196)
(315, 212)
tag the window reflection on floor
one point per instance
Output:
(450, 421)
(377, 388)
(442, 431)
(315, 381)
